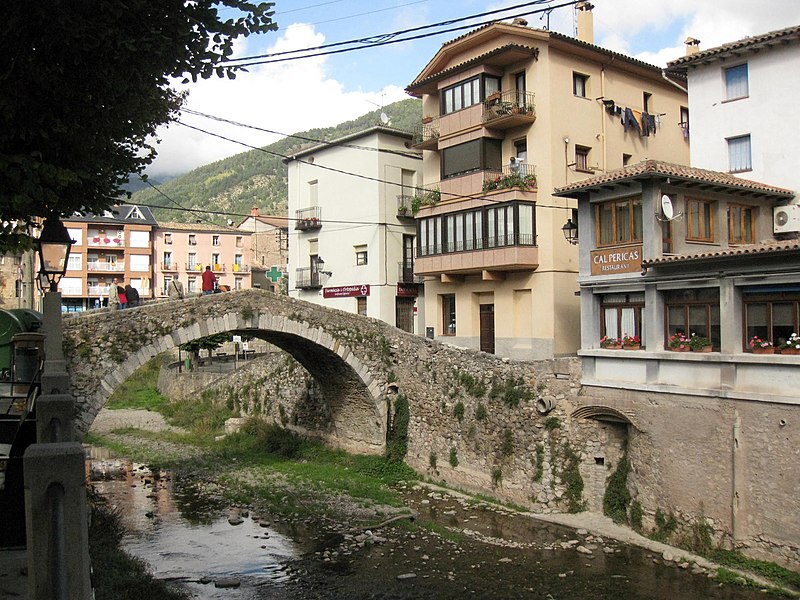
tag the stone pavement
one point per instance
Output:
(13, 573)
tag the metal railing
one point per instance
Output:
(507, 104)
(308, 218)
(521, 175)
(405, 272)
(427, 131)
(307, 278)
(98, 265)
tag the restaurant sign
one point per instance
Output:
(346, 291)
(612, 261)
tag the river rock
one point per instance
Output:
(583, 550)
(406, 576)
(227, 582)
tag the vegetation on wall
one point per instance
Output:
(458, 411)
(617, 497)
(453, 457)
(397, 437)
(539, 472)
(665, 525)
(571, 476)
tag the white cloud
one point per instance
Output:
(285, 97)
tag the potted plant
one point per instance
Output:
(699, 343)
(678, 342)
(427, 119)
(759, 346)
(631, 342)
(610, 343)
(791, 346)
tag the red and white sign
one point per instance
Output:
(346, 291)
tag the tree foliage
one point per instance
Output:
(210, 343)
(84, 84)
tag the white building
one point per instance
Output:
(351, 244)
(741, 102)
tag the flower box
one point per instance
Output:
(613, 347)
(681, 349)
(792, 351)
(631, 346)
(703, 349)
(763, 350)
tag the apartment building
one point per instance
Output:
(183, 250)
(269, 249)
(352, 245)
(509, 113)
(117, 244)
(741, 101)
(17, 287)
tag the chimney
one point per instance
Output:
(585, 22)
(692, 46)
(520, 21)
(254, 211)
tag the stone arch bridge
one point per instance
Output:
(359, 363)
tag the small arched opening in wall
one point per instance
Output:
(607, 438)
(358, 412)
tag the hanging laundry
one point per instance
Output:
(648, 124)
(629, 120)
(610, 106)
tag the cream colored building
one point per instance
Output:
(499, 274)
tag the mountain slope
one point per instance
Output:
(255, 178)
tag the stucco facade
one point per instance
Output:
(183, 250)
(557, 105)
(269, 249)
(741, 90)
(351, 245)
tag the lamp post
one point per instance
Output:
(570, 231)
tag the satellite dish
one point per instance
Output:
(666, 207)
(230, 222)
(384, 118)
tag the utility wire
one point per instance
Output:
(388, 41)
(372, 40)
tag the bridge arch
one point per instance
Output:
(104, 348)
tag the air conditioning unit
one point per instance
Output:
(786, 219)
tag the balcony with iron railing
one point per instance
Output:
(307, 278)
(405, 206)
(218, 268)
(507, 183)
(169, 267)
(98, 290)
(308, 219)
(239, 268)
(405, 272)
(511, 108)
(520, 176)
(103, 241)
(193, 267)
(426, 134)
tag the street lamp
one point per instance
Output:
(570, 231)
(54, 245)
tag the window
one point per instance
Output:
(579, 84)
(191, 288)
(646, 101)
(736, 82)
(476, 155)
(622, 315)
(693, 311)
(215, 240)
(699, 220)
(167, 260)
(76, 235)
(684, 124)
(192, 239)
(75, 262)
(361, 255)
(448, 314)
(619, 221)
(468, 93)
(626, 159)
(739, 154)
(521, 150)
(519, 87)
(238, 241)
(191, 261)
(237, 283)
(741, 224)
(140, 262)
(313, 192)
(771, 315)
(167, 280)
(136, 214)
(168, 239)
(666, 237)
(582, 159)
(139, 239)
(215, 262)
(507, 224)
(361, 305)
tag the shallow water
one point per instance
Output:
(184, 533)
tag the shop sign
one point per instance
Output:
(407, 290)
(346, 291)
(613, 261)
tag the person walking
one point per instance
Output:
(113, 295)
(175, 290)
(132, 294)
(209, 279)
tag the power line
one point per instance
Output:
(371, 12)
(384, 42)
(300, 137)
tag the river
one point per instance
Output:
(468, 550)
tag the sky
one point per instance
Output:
(296, 95)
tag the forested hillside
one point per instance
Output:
(256, 178)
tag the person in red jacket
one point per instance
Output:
(209, 279)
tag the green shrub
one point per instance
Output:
(552, 423)
(453, 457)
(432, 459)
(480, 412)
(497, 476)
(617, 497)
(636, 515)
(537, 476)
(571, 476)
(507, 445)
(397, 443)
(458, 411)
(665, 526)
